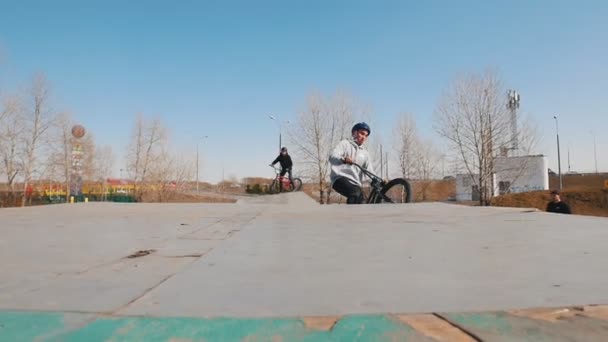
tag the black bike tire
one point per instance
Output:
(399, 181)
(296, 184)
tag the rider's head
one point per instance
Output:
(284, 150)
(360, 132)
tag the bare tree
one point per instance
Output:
(11, 133)
(37, 119)
(426, 160)
(342, 107)
(146, 147)
(103, 165)
(103, 162)
(145, 150)
(170, 175)
(472, 116)
(87, 145)
(136, 148)
(416, 157)
(61, 158)
(311, 140)
(406, 138)
(318, 129)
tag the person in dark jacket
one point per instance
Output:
(557, 205)
(286, 164)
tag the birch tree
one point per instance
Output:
(11, 133)
(103, 165)
(37, 120)
(405, 138)
(146, 147)
(145, 150)
(170, 175)
(61, 159)
(319, 128)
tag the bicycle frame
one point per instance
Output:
(283, 180)
(375, 196)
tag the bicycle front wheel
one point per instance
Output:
(398, 190)
(275, 187)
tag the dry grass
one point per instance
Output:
(582, 202)
(177, 197)
(585, 193)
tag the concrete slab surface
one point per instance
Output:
(286, 257)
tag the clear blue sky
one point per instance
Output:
(219, 68)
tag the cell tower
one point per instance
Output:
(513, 105)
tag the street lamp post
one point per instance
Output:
(559, 163)
(197, 163)
(594, 151)
(279, 126)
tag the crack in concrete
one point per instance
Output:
(146, 291)
(457, 326)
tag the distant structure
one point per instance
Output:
(512, 175)
(513, 106)
(78, 132)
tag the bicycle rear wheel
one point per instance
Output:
(397, 190)
(297, 184)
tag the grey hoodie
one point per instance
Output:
(359, 155)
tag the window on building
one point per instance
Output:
(504, 187)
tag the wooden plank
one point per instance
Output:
(435, 327)
(322, 323)
(596, 311)
(547, 314)
(502, 326)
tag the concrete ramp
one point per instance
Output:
(283, 267)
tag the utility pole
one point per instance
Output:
(279, 124)
(559, 163)
(594, 152)
(381, 162)
(568, 159)
(386, 155)
(197, 145)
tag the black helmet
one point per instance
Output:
(283, 149)
(362, 125)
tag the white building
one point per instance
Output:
(512, 174)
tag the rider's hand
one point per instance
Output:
(347, 160)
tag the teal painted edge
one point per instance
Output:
(495, 325)
(58, 326)
(350, 328)
(29, 326)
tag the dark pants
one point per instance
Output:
(352, 192)
(288, 171)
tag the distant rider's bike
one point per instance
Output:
(283, 184)
(397, 190)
